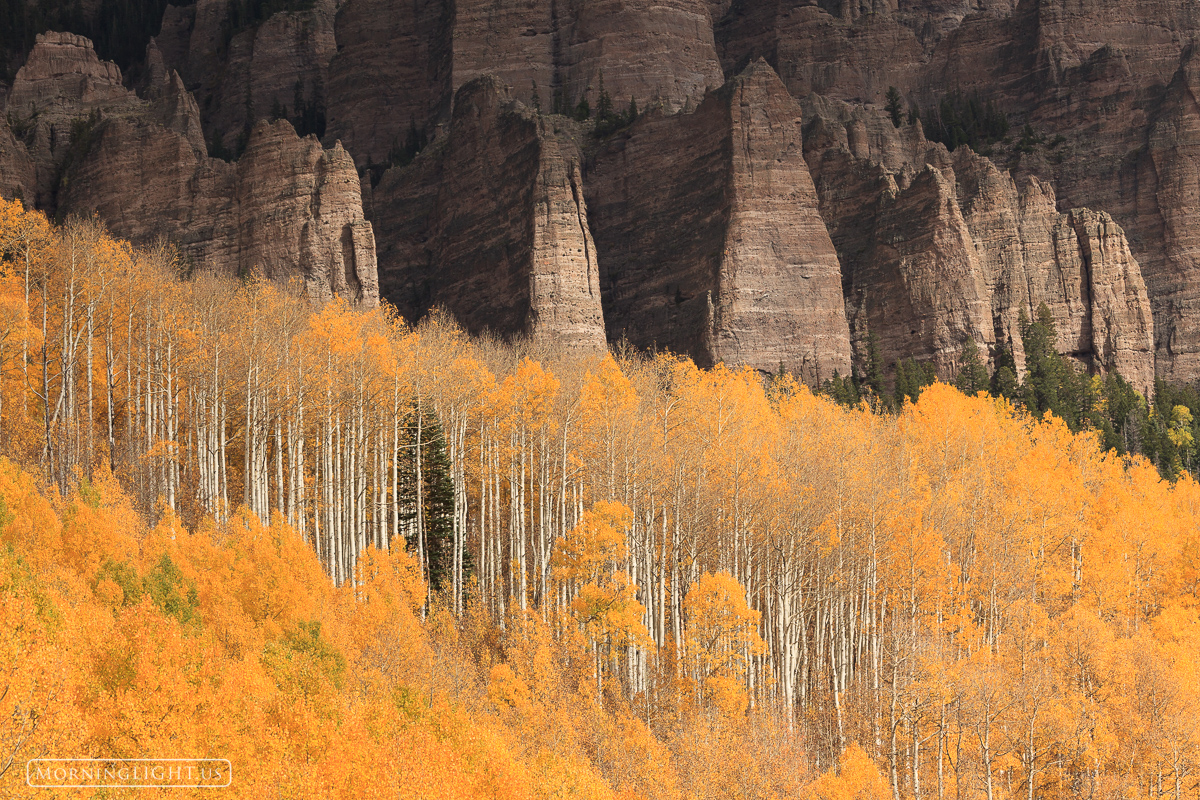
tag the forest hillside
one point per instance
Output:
(361, 559)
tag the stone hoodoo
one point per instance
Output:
(710, 239)
(490, 223)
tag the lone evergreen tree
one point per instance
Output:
(439, 507)
(428, 492)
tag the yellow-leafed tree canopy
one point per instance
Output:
(363, 559)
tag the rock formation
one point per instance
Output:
(53, 97)
(18, 177)
(490, 222)
(658, 53)
(391, 73)
(287, 209)
(700, 211)
(938, 247)
(1166, 217)
(398, 66)
(1107, 84)
(710, 239)
(245, 70)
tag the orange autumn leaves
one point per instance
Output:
(228, 642)
(657, 580)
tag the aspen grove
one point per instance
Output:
(555, 574)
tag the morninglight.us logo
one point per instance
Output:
(128, 773)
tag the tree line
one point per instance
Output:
(1163, 428)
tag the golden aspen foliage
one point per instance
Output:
(855, 778)
(363, 559)
(595, 544)
(721, 638)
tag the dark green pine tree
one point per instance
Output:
(1004, 378)
(1051, 381)
(439, 506)
(873, 366)
(436, 498)
(842, 390)
(912, 377)
(1126, 413)
(972, 373)
(604, 104)
(583, 111)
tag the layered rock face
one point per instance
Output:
(855, 50)
(656, 53)
(391, 72)
(1108, 83)
(491, 223)
(18, 177)
(241, 72)
(300, 206)
(706, 237)
(659, 53)
(52, 96)
(397, 67)
(1166, 218)
(710, 239)
(937, 248)
(287, 209)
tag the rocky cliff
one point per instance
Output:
(491, 223)
(53, 98)
(18, 176)
(391, 74)
(288, 208)
(242, 68)
(397, 67)
(1104, 88)
(937, 248)
(709, 236)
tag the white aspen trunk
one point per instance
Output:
(108, 386)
